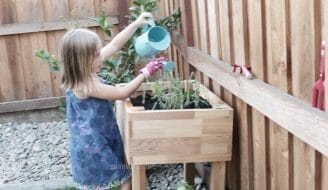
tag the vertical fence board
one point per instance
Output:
(36, 75)
(243, 125)
(108, 7)
(203, 32)
(7, 11)
(213, 28)
(83, 8)
(303, 58)
(11, 72)
(196, 30)
(53, 11)
(277, 75)
(187, 31)
(224, 30)
(12, 86)
(225, 47)
(303, 47)
(256, 57)
(324, 34)
(195, 23)
(202, 24)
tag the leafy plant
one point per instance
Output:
(184, 186)
(120, 68)
(177, 96)
(53, 64)
(101, 20)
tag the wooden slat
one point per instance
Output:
(138, 177)
(202, 25)
(324, 34)
(27, 105)
(195, 23)
(123, 11)
(213, 28)
(303, 75)
(22, 28)
(188, 34)
(217, 176)
(11, 85)
(203, 34)
(186, 17)
(51, 10)
(225, 31)
(189, 173)
(256, 61)
(163, 159)
(161, 146)
(245, 145)
(243, 124)
(36, 75)
(299, 118)
(278, 142)
(233, 167)
(82, 8)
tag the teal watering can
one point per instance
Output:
(153, 40)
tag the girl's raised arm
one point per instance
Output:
(122, 37)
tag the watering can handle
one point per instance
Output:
(150, 23)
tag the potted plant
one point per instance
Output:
(184, 122)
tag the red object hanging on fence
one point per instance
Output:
(318, 90)
(245, 70)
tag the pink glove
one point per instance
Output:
(151, 68)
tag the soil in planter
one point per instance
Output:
(150, 101)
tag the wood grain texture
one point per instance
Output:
(29, 25)
(256, 46)
(303, 77)
(27, 105)
(197, 135)
(138, 177)
(217, 176)
(299, 118)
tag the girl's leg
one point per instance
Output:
(126, 185)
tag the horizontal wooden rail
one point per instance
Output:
(20, 28)
(296, 116)
(28, 105)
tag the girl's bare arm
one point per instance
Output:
(109, 92)
(122, 37)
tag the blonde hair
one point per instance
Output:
(78, 51)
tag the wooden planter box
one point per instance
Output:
(176, 136)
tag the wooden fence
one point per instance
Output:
(279, 139)
(28, 25)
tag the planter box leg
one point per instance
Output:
(189, 173)
(138, 177)
(217, 179)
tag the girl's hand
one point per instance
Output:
(151, 68)
(144, 18)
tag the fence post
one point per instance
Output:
(123, 10)
(187, 32)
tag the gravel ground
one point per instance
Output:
(39, 151)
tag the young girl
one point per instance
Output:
(96, 149)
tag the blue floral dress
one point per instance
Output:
(96, 147)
